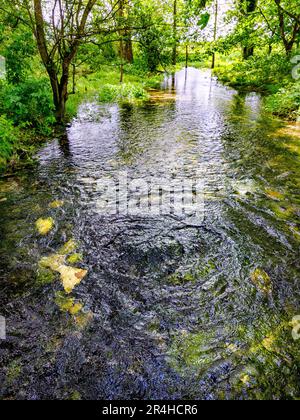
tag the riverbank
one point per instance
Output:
(274, 76)
(27, 119)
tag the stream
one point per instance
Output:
(165, 305)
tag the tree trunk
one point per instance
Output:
(128, 50)
(288, 43)
(60, 92)
(250, 8)
(125, 48)
(174, 53)
(213, 64)
(248, 52)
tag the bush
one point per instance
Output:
(28, 104)
(8, 140)
(286, 102)
(126, 92)
(263, 73)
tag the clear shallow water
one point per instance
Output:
(167, 309)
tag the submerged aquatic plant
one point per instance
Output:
(262, 281)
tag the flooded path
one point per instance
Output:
(148, 306)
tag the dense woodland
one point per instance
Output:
(59, 52)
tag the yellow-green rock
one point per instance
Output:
(71, 277)
(44, 226)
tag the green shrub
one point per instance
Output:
(28, 104)
(263, 73)
(8, 140)
(126, 92)
(286, 102)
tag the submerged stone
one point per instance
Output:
(70, 276)
(262, 281)
(44, 226)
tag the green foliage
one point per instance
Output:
(28, 104)
(8, 140)
(286, 102)
(269, 74)
(261, 72)
(154, 43)
(18, 52)
(126, 92)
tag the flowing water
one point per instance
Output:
(168, 308)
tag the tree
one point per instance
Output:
(60, 27)
(58, 42)
(289, 24)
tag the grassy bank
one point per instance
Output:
(268, 74)
(104, 86)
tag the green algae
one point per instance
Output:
(45, 276)
(68, 248)
(193, 275)
(56, 204)
(262, 281)
(67, 304)
(75, 396)
(14, 370)
(73, 307)
(192, 350)
(44, 226)
(75, 259)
